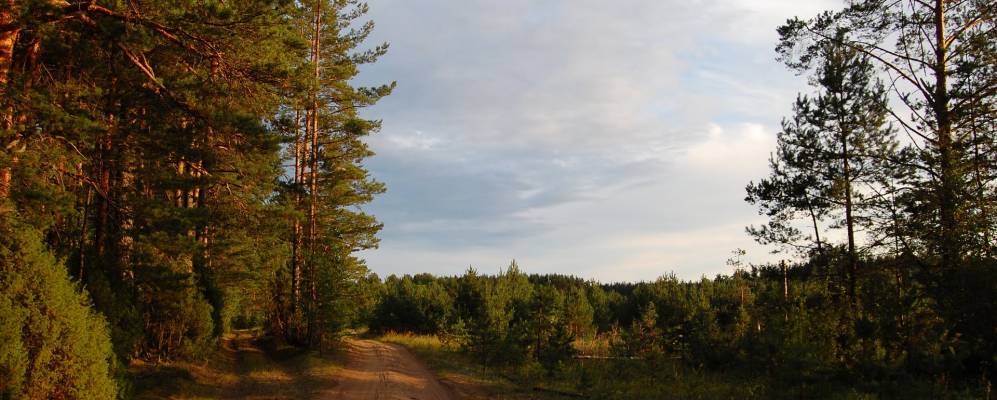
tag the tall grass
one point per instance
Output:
(469, 378)
(604, 377)
(414, 341)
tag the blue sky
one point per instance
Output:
(606, 139)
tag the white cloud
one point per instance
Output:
(751, 21)
(607, 139)
(655, 254)
(418, 140)
(742, 150)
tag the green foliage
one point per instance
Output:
(643, 338)
(774, 331)
(150, 152)
(411, 307)
(321, 289)
(501, 331)
(54, 345)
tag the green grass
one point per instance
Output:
(468, 378)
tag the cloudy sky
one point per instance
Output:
(606, 139)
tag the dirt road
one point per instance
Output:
(364, 370)
(381, 371)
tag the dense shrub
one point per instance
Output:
(409, 305)
(52, 345)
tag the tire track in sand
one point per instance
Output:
(383, 371)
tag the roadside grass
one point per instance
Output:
(469, 379)
(207, 379)
(597, 375)
(245, 364)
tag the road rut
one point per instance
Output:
(384, 371)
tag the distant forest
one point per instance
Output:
(171, 171)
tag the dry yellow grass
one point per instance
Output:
(467, 378)
(239, 370)
(413, 341)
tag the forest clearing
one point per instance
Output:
(563, 199)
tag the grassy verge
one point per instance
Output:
(468, 378)
(245, 365)
(207, 379)
(600, 376)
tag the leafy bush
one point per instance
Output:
(54, 345)
(411, 306)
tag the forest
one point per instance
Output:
(173, 172)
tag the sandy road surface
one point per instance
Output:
(382, 371)
(248, 369)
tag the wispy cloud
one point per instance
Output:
(607, 139)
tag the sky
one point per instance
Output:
(610, 140)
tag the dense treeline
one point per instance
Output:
(171, 167)
(503, 320)
(772, 331)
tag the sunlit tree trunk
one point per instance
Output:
(299, 171)
(7, 40)
(313, 178)
(8, 36)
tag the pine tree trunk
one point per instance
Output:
(84, 222)
(299, 171)
(785, 290)
(813, 218)
(102, 221)
(312, 224)
(948, 235)
(981, 190)
(7, 41)
(849, 219)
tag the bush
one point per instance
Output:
(53, 344)
(411, 306)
